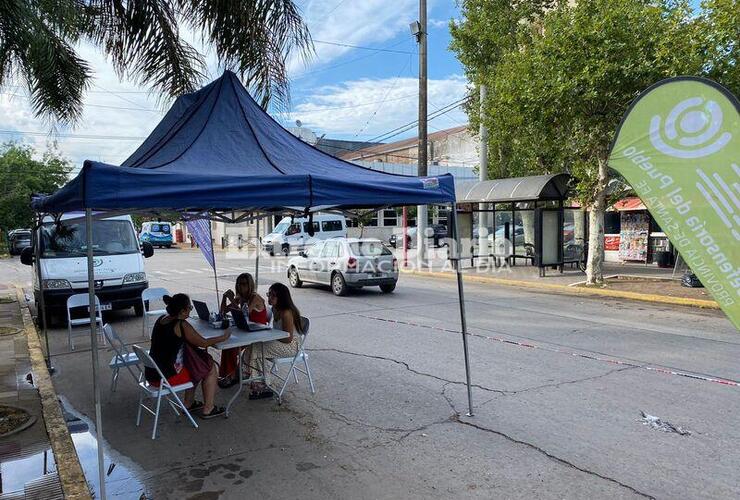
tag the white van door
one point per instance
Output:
(294, 237)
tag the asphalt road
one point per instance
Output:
(560, 384)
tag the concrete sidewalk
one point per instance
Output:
(633, 281)
(37, 462)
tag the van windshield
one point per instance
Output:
(280, 228)
(110, 237)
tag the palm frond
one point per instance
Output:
(253, 38)
(35, 49)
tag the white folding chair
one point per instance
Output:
(82, 300)
(123, 358)
(301, 355)
(147, 296)
(164, 389)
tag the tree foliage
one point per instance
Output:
(21, 175)
(561, 75)
(143, 41)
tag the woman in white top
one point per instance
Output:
(286, 317)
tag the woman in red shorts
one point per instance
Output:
(244, 297)
(180, 362)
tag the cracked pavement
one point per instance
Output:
(389, 416)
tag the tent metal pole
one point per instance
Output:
(42, 302)
(257, 259)
(94, 344)
(461, 300)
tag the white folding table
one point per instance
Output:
(240, 339)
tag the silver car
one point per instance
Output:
(345, 263)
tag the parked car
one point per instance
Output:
(438, 236)
(345, 263)
(293, 234)
(18, 239)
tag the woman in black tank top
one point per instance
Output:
(166, 349)
(174, 340)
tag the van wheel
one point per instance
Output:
(139, 310)
(286, 250)
(388, 288)
(293, 278)
(338, 285)
(272, 254)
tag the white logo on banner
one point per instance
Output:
(722, 198)
(695, 125)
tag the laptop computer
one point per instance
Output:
(202, 309)
(243, 323)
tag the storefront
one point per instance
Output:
(631, 234)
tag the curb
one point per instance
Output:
(570, 290)
(71, 477)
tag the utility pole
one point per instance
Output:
(483, 223)
(421, 217)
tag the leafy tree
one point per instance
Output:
(557, 95)
(143, 42)
(21, 175)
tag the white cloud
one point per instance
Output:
(374, 106)
(438, 23)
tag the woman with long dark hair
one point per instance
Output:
(243, 297)
(286, 317)
(180, 353)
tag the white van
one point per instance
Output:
(157, 233)
(292, 233)
(119, 267)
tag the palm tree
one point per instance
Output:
(142, 40)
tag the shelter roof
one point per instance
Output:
(537, 187)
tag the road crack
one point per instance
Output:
(553, 457)
(407, 367)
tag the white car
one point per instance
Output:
(345, 263)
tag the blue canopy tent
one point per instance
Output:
(217, 152)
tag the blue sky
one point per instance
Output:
(343, 92)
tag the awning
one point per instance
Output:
(536, 187)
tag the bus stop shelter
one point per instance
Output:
(520, 218)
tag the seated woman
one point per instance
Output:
(286, 317)
(179, 351)
(244, 297)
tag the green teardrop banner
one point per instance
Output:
(678, 146)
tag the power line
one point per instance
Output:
(385, 96)
(408, 126)
(116, 95)
(379, 49)
(74, 136)
(344, 63)
(94, 105)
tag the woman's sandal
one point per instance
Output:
(226, 382)
(266, 393)
(217, 411)
(197, 405)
